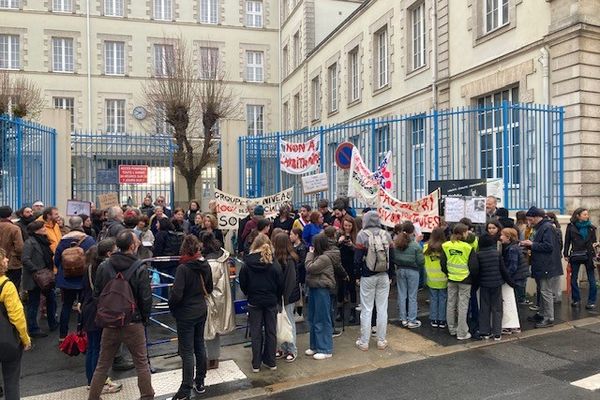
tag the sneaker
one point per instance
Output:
(111, 387)
(279, 354)
(382, 344)
(199, 387)
(533, 307)
(358, 308)
(361, 346)
(525, 302)
(547, 323)
(516, 330)
(497, 338)
(442, 324)
(414, 324)
(322, 356)
(181, 395)
(590, 306)
(290, 357)
(256, 370)
(374, 332)
(404, 323)
(434, 324)
(575, 304)
(310, 352)
(337, 333)
(466, 337)
(272, 368)
(482, 336)
(507, 331)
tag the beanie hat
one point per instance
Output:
(259, 210)
(502, 213)
(535, 212)
(5, 212)
(486, 241)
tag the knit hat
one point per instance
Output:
(535, 212)
(259, 210)
(5, 212)
(486, 240)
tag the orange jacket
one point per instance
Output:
(53, 232)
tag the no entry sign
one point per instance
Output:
(133, 174)
(343, 155)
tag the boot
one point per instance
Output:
(352, 319)
(338, 317)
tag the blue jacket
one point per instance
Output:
(545, 251)
(65, 243)
(309, 232)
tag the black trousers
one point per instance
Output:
(264, 345)
(490, 310)
(11, 373)
(191, 349)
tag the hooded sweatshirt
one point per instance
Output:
(320, 270)
(186, 300)
(262, 283)
(371, 223)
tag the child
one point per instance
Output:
(436, 280)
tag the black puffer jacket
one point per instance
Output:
(262, 283)
(490, 267)
(545, 251)
(515, 262)
(186, 300)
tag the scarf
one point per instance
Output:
(186, 258)
(584, 228)
(47, 252)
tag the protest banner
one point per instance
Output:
(362, 185)
(108, 200)
(76, 207)
(231, 208)
(423, 212)
(315, 183)
(300, 158)
(383, 175)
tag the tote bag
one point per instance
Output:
(284, 327)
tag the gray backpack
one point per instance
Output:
(378, 251)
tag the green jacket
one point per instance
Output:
(411, 257)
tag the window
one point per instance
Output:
(297, 112)
(286, 116)
(115, 116)
(382, 58)
(353, 75)
(297, 51)
(10, 55)
(254, 66)
(316, 97)
(161, 126)
(114, 58)
(113, 8)
(254, 13)
(418, 36)
(209, 13)
(417, 126)
(163, 10)
(496, 14)
(382, 140)
(254, 119)
(285, 61)
(62, 6)
(66, 103)
(9, 3)
(209, 62)
(490, 127)
(333, 88)
(163, 59)
(62, 55)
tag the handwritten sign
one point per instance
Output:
(423, 212)
(457, 208)
(133, 174)
(108, 200)
(454, 209)
(76, 207)
(315, 183)
(362, 185)
(231, 208)
(300, 158)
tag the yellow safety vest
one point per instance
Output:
(457, 256)
(475, 244)
(436, 279)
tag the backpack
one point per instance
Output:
(10, 342)
(173, 243)
(377, 258)
(116, 304)
(73, 259)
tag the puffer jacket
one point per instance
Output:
(545, 251)
(515, 262)
(262, 283)
(320, 271)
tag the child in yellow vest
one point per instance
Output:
(436, 280)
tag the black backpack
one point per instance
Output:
(10, 342)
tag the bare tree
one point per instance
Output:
(191, 97)
(20, 96)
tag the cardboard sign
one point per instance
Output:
(362, 185)
(423, 212)
(341, 189)
(315, 183)
(76, 207)
(231, 208)
(133, 174)
(300, 158)
(457, 208)
(108, 200)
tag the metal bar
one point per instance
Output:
(505, 150)
(561, 159)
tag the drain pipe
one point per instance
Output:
(544, 60)
(434, 50)
(89, 67)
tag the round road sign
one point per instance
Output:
(343, 155)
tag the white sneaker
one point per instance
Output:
(322, 356)
(361, 346)
(382, 344)
(466, 337)
(413, 325)
(404, 323)
(358, 308)
(111, 387)
(310, 352)
(374, 332)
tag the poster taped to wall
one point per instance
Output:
(423, 212)
(457, 208)
(315, 183)
(300, 158)
(231, 208)
(362, 185)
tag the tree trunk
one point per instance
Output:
(191, 186)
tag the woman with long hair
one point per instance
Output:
(261, 280)
(346, 241)
(301, 250)
(517, 268)
(284, 219)
(436, 280)
(193, 210)
(313, 228)
(210, 224)
(193, 282)
(287, 258)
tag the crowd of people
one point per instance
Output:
(311, 265)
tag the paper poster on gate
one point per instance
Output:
(300, 158)
(362, 185)
(424, 212)
(231, 208)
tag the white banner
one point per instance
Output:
(300, 158)
(231, 208)
(362, 185)
(423, 212)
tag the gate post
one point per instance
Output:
(19, 159)
(436, 144)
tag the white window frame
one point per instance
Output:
(114, 8)
(316, 97)
(354, 75)
(161, 126)
(418, 30)
(65, 6)
(209, 11)
(63, 58)
(209, 62)
(163, 54)
(297, 111)
(10, 51)
(496, 16)
(66, 103)
(254, 66)
(417, 137)
(332, 78)
(114, 57)
(285, 55)
(115, 115)
(255, 119)
(254, 13)
(297, 49)
(10, 4)
(163, 10)
(382, 60)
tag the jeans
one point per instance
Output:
(191, 346)
(457, 308)
(407, 280)
(69, 296)
(374, 290)
(134, 338)
(547, 286)
(15, 277)
(263, 346)
(319, 319)
(92, 353)
(11, 373)
(589, 269)
(213, 348)
(520, 294)
(490, 312)
(290, 347)
(32, 309)
(437, 304)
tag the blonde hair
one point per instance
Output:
(511, 234)
(262, 245)
(213, 220)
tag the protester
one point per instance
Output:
(373, 263)
(493, 228)
(146, 237)
(9, 298)
(521, 224)
(436, 280)
(283, 220)
(26, 217)
(328, 216)
(263, 226)
(301, 250)
(132, 335)
(198, 225)
(88, 227)
(70, 285)
(147, 207)
(11, 241)
(408, 258)
(180, 223)
(313, 228)
(303, 218)
(114, 223)
(579, 240)
(64, 229)
(515, 263)
(167, 243)
(38, 208)
(193, 210)
(261, 280)
(210, 224)
(491, 204)
(259, 215)
(98, 219)
(188, 305)
(158, 216)
(242, 225)
(346, 242)
(339, 212)
(503, 219)
(161, 202)
(37, 255)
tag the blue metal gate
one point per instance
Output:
(27, 162)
